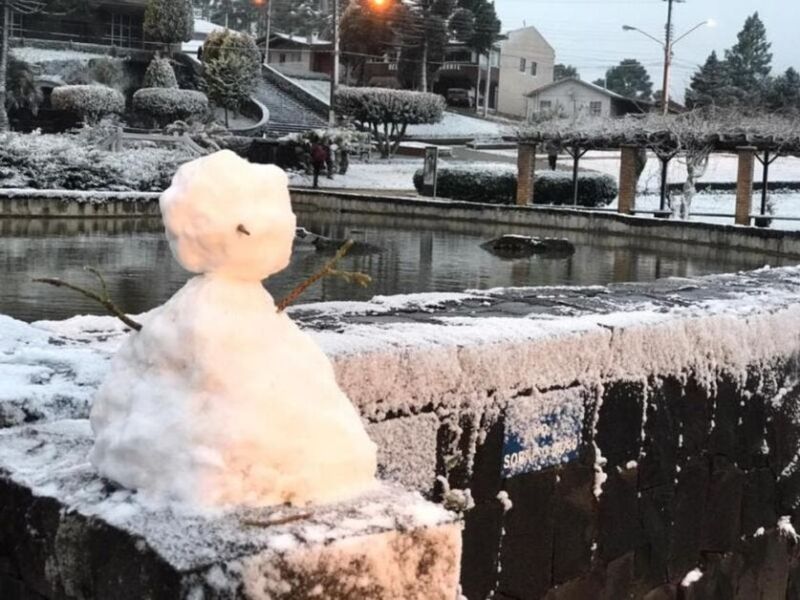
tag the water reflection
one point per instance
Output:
(417, 256)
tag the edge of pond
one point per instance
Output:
(74, 204)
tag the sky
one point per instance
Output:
(589, 35)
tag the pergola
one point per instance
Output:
(693, 134)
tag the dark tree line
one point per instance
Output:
(743, 77)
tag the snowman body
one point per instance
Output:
(220, 399)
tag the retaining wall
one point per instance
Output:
(613, 439)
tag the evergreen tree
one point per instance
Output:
(231, 70)
(485, 34)
(630, 79)
(367, 30)
(169, 21)
(710, 85)
(748, 63)
(562, 71)
(302, 17)
(784, 92)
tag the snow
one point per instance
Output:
(223, 548)
(786, 528)
(220, 399)
(395, 175)
(319, 88)
(43, 55)
(691, 578)
(455, 125)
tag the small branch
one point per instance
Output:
(327, 271)
(104, 300)
(278, 520)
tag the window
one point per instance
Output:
(17, 24)
(534, 68)
(596, 108)
(523, 65)
(545, 105)
(120, 30)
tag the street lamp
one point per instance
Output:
(668, 45)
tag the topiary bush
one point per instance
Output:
(162, 106)
(388, 113)
(498, 185)
(160, 74)
(90, 102)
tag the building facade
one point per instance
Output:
(572, 96)
(527, 62)
(117, 23)
(300, 56)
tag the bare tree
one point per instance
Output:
(9, 7)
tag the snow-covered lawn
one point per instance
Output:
(721, 168)
(42, 55)
(455, 125)
(396, 174)
(784, 205)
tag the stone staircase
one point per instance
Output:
(287, 113)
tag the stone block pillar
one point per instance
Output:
(744, 184)
(526, 173)
(627, 181)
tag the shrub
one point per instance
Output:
(109, 72)
(90, 102)
(69, 162)
(164, 106)
(498, 185)
(388, 113)
(169, 21)
(232, 68)
(160, 74)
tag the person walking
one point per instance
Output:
(319, 160)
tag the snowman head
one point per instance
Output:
(227, 216)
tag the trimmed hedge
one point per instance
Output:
(165, 106)
(91, 102)
(499, 186)
(160, 74)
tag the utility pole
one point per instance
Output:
(268, 32)
(667, 60)
(336, 52)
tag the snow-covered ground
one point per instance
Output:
(455, 125)
(319, 88)
(722, 168)
(396, 174)
(784, 205)
(42, 55)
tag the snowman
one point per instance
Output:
(220, 399)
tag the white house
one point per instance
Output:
(572, 96)
(527, 61)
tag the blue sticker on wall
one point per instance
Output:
(542, 431)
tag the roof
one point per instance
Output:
(586, 84)
(302, 40)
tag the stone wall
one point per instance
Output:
(616, 441)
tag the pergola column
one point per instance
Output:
(744, 184)
(627, 180)
(526, 173)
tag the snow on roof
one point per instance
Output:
(313, 40)
(204, 26)
(41, 55)
(587, 84)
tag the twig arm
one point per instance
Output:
(106, 302)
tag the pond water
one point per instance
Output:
(415, 256)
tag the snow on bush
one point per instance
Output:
(169, 21)
(387, 113)
(498, 185)
(164, 106)
(232, 68)
(70, 162)
(160, 74)
(91, 102)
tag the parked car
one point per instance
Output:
(460, 97)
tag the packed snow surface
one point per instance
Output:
(221, 399)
